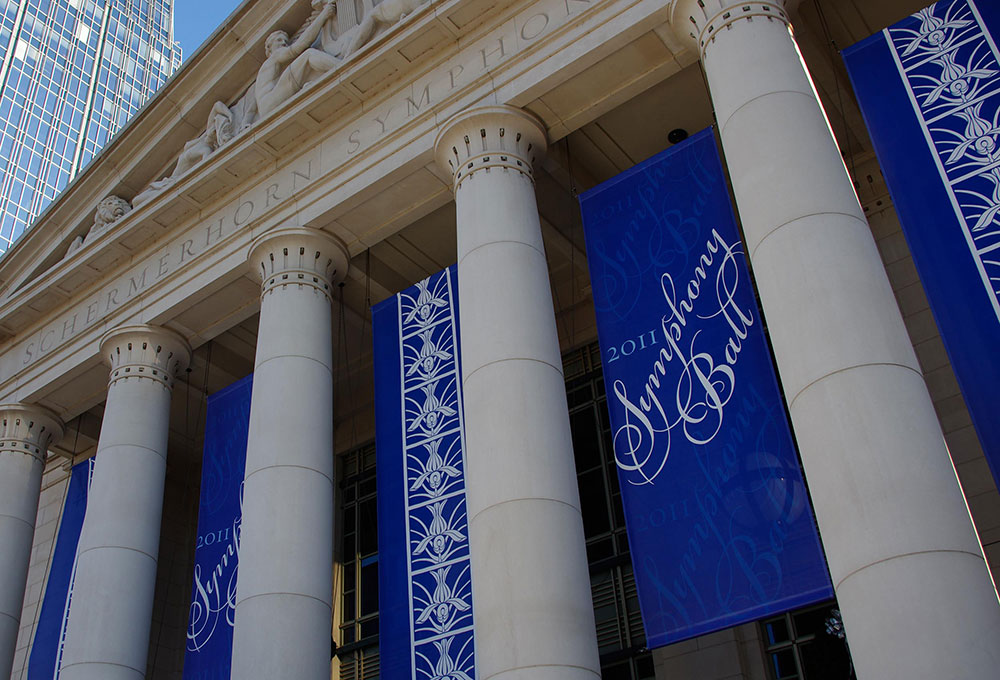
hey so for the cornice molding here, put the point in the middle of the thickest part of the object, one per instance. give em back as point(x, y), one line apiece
point(93, 288)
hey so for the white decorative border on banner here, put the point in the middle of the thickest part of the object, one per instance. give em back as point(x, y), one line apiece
point(951, 68)
point(440, 580)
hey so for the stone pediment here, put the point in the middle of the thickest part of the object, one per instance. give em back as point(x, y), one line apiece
point(223, 69)
point(352, 154)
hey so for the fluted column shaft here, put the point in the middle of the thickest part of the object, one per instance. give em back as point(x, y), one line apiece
point(906, 564)
point(530, 580)
point(107, 636)
point(284, 592)
point(25, 435)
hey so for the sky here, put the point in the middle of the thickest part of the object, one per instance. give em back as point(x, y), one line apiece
point(195, 20)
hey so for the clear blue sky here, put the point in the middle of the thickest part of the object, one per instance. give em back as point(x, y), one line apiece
point(195, 20)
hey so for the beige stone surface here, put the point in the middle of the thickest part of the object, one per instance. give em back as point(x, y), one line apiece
point(352, 155)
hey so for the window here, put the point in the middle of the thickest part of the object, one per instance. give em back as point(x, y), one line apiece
point(358, 650)
point(807, 645)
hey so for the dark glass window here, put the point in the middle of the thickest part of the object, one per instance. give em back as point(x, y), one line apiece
point(620, 637)
point(807, 644)
point(358, 647)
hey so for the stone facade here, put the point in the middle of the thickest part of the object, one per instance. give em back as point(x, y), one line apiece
point(312, 160)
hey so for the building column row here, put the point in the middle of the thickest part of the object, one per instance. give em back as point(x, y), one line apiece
point(284, 592)
point(526, 529)
point(903, 554)
point(901, 549)
point(534, 612)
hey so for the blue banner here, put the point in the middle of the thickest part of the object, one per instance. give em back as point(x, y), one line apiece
point(929, 89)
point(50, 634)
point(209, 651)
point(425, 581)
point(718, 518)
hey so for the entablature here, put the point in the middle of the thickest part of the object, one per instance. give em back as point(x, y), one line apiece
point(352, 155)
point(221, 68)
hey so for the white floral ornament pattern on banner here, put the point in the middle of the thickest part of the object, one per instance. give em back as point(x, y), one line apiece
point(950, 66)
point(440, 580)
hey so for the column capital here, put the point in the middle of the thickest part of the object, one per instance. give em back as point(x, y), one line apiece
point(299, 256)
point(28, 429)
point(697, 22)
point(490, 137)
point(145, 352)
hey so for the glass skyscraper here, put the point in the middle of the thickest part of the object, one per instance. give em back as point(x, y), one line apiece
point(72, 72)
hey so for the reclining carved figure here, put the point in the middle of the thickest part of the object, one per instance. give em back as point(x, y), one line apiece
point(218, 131)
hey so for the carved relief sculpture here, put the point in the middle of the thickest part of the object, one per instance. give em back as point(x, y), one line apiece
point(218, 131)
point(336, 45)
point(385, 14)
point(290, 67)
point(109, 210)
point(75, 245)
point(329, 42)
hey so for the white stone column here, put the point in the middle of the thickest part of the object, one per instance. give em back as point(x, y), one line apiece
point(25, 435)
point(284, 592)
point(906, 564)
point(530, 579)
point(107, 636)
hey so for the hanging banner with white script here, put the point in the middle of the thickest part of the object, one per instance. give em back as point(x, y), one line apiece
point(425, 580)
point(929, 89)
point(45, 661)
point(209, 651)
point(719, 523)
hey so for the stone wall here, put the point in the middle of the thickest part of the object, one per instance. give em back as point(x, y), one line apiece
point(731, 654)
